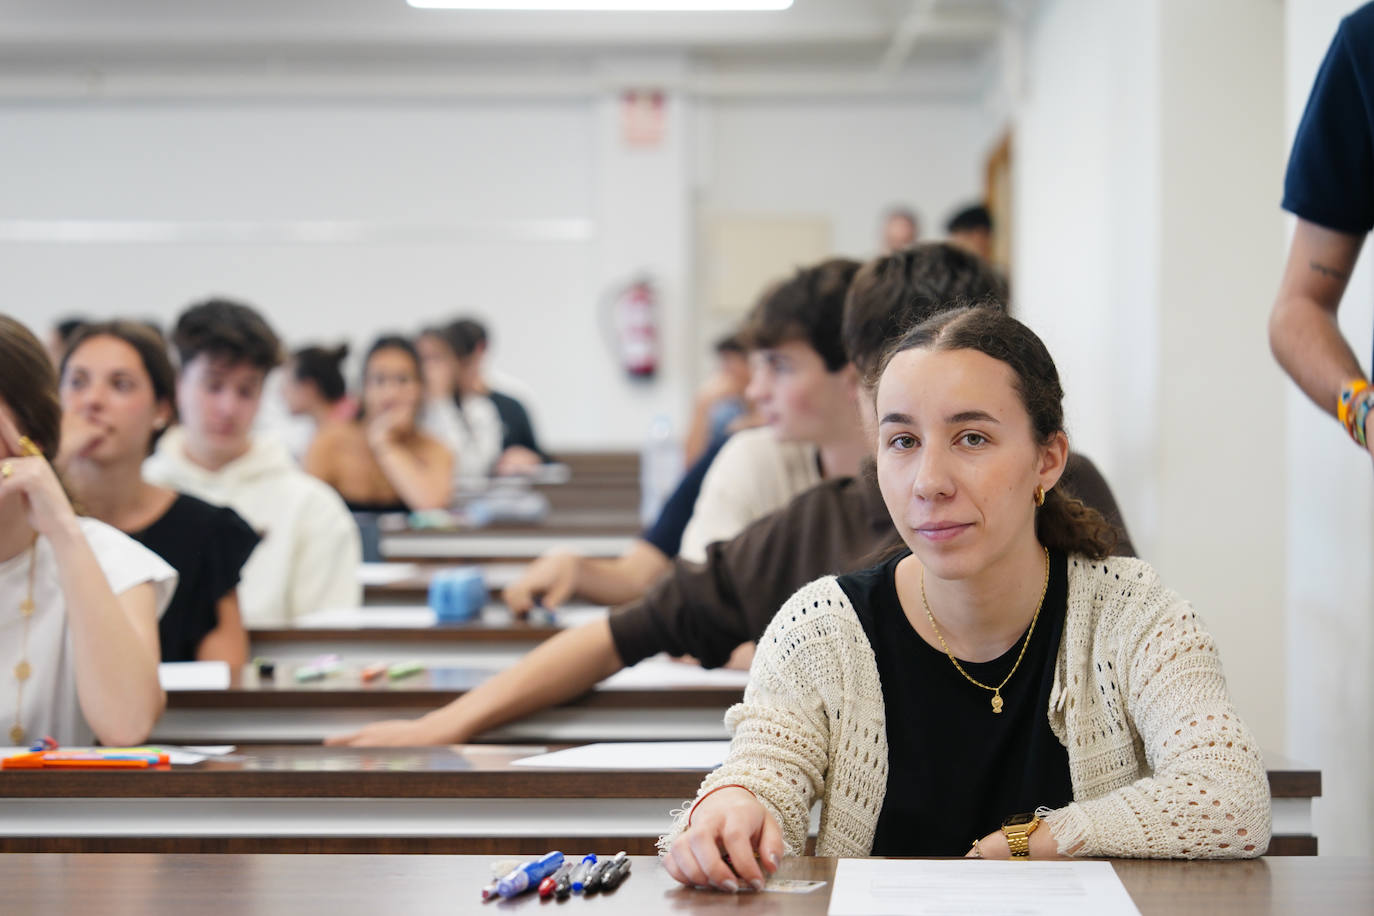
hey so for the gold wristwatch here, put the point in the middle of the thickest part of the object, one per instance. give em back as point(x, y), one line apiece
point(1017, 829)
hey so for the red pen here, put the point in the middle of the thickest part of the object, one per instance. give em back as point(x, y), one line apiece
point(550, 884)
point(372, 672)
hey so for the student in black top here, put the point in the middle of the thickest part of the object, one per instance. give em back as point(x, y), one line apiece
point(519, 448)
point(118, 395)
point(1330, 189)
point(977, 790)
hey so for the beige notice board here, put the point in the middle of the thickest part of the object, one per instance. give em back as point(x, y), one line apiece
point(746, 253)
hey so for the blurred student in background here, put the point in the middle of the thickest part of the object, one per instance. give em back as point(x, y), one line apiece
point(971, 230)
point(118, 397)
point(382, 461)
point(78, 643)
point(806, 392)
point(314, 385)
point(720, 407)
point(310, 549)
point(520, 450)
point(472, 431)
point(901, 229)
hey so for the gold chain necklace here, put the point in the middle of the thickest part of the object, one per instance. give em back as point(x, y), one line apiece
point(22, 670)
point(996, 691)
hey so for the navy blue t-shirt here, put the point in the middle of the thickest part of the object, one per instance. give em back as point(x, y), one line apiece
point(1330, 178)
point(666, 531)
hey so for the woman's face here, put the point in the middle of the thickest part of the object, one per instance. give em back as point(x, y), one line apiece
point(441, 366)
point(957, 459)
point(106, 385)
point(798, 396)
point(391, 382)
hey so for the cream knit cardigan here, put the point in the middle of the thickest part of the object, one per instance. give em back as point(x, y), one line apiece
point(1160, 763)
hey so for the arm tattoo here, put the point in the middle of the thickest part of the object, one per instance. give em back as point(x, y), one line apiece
point(1329, 272)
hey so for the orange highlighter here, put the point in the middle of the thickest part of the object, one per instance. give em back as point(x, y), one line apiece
point(120, 760)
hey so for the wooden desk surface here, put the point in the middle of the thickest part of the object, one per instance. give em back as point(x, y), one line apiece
point(267, 885)
point(430, 689)
point(467, 798)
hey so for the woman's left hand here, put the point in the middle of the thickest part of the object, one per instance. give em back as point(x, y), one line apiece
point(385, 428)
point(46, 506)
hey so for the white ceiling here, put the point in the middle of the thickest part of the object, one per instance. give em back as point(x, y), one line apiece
point(930, 47)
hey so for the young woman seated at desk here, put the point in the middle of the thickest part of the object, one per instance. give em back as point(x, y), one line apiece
point(1001, 663)
point(79, 601)
point(118, 396)
point(382, 461)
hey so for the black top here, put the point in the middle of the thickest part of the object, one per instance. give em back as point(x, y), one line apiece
point(956, 769)
point(207, 546)
point(666, 531)
point(1330, 178)
point(516, 428)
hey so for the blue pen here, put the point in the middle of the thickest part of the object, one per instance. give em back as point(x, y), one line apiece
point(529, 875)
point(580, 873)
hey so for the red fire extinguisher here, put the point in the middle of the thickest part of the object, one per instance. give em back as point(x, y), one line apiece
point(636, 328)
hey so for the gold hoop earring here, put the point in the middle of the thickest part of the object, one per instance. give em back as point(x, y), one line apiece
point(1039, 496)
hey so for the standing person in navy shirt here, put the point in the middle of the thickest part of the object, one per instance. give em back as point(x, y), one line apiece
point(1330, 188)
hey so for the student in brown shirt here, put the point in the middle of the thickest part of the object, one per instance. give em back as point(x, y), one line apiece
point(708, 610)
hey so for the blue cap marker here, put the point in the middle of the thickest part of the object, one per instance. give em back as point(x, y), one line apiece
point(529, 875)
point(581, 872)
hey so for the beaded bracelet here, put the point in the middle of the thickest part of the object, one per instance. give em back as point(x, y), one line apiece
point(728, 785)
point(1353, 407)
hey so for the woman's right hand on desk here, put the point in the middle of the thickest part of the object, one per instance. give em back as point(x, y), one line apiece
point(550, 581)
point(393, 733)
point(733, 842)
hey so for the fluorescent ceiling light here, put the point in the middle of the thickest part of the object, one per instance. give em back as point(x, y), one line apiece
point(617, 6)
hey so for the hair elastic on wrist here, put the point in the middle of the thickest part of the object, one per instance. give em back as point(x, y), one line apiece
point(1359, 417)
point(728, 785)
point(1354, 400)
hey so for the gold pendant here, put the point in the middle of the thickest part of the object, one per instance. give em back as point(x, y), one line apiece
point(17, 735)
point(996, 702)
point(21, 671)
point(26, 608)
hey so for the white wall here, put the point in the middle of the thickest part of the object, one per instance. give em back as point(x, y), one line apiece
point(344, 218)
point(1148, 160)
point(1330, 535)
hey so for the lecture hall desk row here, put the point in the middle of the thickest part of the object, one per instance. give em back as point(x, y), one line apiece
point(656, 700)
point(462, 799)
point(268, 885)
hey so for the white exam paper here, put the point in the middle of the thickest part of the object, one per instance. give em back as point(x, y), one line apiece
point(194, 675)
point(635, 755)
point(885, 887)
point(385, 573)
point(662, 671)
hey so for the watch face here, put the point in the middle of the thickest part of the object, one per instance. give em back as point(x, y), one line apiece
point(1018, 819)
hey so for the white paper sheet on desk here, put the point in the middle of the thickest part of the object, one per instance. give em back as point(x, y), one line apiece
point(662, 671)
point(193, 675)
point(635, 755)
point(386, 573)
point(877, 887)
point(400, 617)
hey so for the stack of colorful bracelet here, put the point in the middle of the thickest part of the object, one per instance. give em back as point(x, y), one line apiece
point(1357, 398)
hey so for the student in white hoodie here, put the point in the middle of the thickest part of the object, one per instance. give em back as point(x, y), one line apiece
point(309, 555)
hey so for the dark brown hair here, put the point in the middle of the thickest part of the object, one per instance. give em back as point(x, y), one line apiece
point(1063, 522)
point(808, 306)
point(323, 367)
point(229, 331)
point(896, 292)
point(28, 386)
point(152, 352)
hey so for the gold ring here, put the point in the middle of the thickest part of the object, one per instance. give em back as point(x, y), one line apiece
point(28, 448)
point(6, 470)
